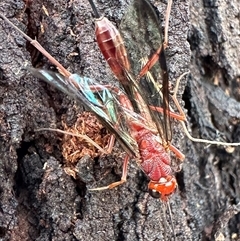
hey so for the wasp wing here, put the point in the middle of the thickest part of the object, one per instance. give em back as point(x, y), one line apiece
point(78, 88)
point(140, 29)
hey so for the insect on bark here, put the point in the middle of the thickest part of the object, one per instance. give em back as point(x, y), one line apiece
point(143, 102)
point(152, 157)
point(146, 94)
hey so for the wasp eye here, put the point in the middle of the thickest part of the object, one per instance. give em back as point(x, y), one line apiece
point(154, 193)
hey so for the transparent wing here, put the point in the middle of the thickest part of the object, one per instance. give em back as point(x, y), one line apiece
point(79, 88)
point(140, 29)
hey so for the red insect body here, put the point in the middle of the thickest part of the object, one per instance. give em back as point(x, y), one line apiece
point(112, 47)
point(154, 159)
point(152, 154)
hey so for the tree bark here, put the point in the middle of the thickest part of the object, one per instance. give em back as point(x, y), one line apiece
point(39, 201)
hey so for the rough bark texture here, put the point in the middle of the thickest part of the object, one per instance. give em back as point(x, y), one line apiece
point(39, 201)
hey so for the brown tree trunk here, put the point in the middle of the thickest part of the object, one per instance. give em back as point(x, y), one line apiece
point(39, 201)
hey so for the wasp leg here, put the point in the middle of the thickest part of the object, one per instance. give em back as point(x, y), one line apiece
point(115, 184)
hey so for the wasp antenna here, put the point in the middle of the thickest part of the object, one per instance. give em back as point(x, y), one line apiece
point(164, 221)
point(166, 207)
point(94, 9)
point(171, 220)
